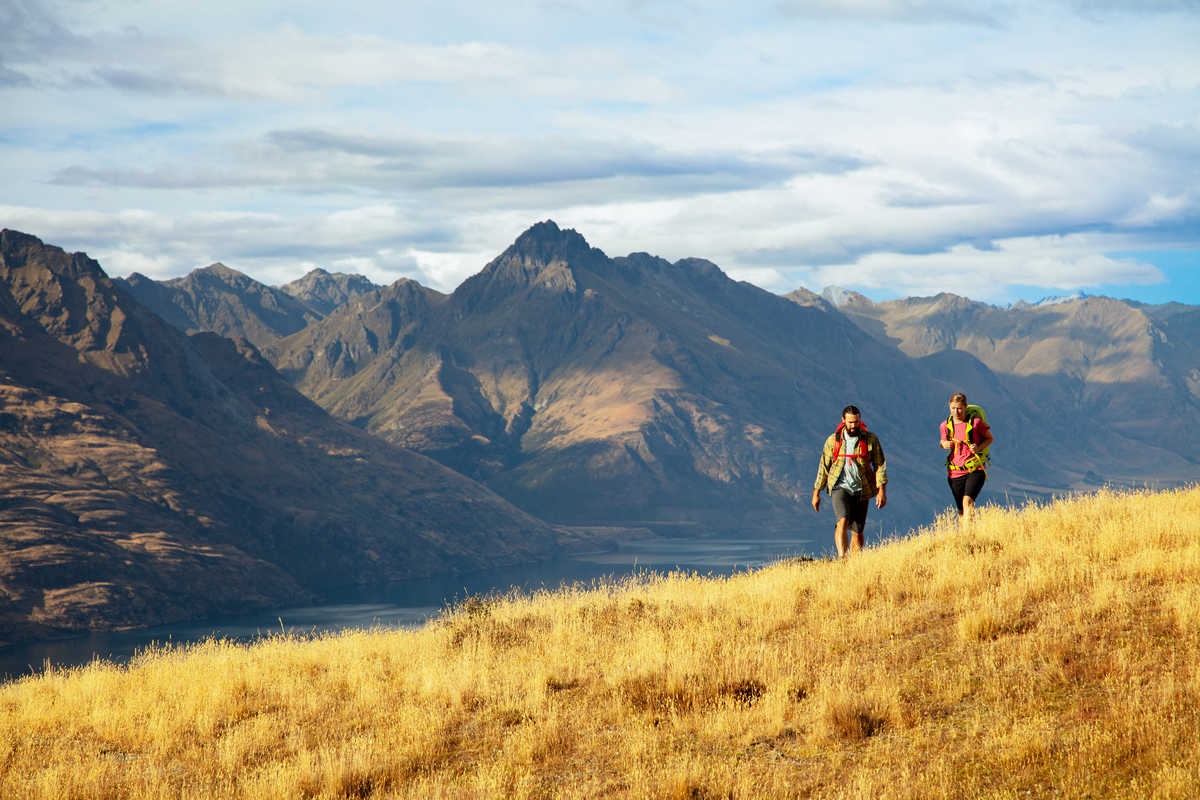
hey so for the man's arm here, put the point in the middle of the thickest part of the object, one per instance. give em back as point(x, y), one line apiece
point(822, 475)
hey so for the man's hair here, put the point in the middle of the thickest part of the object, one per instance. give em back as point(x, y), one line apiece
point(958, 397)
point(851, 410)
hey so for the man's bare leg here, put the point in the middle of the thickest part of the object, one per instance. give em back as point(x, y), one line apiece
point(840, 537)
point(856, 541)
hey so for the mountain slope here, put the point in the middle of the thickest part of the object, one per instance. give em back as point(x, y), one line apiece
point(150, 476)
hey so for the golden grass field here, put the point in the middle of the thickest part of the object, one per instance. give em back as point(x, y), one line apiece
point(1052, 651)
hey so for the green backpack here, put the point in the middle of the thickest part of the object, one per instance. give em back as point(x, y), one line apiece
point(982, 458)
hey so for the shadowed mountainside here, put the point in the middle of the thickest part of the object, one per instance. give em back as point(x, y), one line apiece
point(150, 476)
point(222, 300)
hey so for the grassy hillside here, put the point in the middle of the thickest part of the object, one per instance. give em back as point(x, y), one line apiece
point(1052, 652)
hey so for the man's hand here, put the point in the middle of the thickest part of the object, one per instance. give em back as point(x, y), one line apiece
point(881, 497)
point(947, 444)
point(816, 500)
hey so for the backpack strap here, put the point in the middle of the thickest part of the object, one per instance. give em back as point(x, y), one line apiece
point(863, 449)
point(977, 461)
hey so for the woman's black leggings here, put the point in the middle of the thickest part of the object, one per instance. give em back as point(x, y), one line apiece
point(969, 485)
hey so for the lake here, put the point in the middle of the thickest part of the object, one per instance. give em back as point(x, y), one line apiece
point(411, 603)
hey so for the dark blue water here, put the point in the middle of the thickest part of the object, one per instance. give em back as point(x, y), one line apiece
point(412, 603)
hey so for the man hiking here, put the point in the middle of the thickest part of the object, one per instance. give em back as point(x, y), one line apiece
point(853, 469)
point(967, 436)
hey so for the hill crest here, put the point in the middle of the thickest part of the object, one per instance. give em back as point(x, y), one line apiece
point(1000, 661)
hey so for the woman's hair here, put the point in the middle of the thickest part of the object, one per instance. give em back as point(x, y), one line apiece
point(958, 397)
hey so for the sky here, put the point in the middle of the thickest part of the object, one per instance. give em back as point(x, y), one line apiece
point(999, 150)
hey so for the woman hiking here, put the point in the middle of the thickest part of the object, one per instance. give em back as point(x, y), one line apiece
point(967, 436)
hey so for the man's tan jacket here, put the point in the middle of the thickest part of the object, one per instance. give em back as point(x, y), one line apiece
point(828, 472)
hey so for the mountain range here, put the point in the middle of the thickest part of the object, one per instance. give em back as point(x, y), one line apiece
point(597, 390)
point(151, 476)
point(590, 389)
point(165, 437)
point(222, 300)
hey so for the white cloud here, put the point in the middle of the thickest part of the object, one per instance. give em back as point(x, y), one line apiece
point(1053, 262)
point(1158, 209)
point(446, 270)
point(120, 263)
point(910, 141)
point(919, 11)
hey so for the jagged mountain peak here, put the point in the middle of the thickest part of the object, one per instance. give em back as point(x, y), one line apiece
point(645, 260)
point(951, 300)
point(223, 300)
point(807, 297)
point(940, 302)
point(701, 267)
point(12, 239)
point(403, 293)
point(67, 297)
point(1052, 300)
point(543, 258)
point(319, 275)
point(639, 267)
point(43, 265)
point(323, 291)
point(548, 231)
point(220, 270)
point(546, 243)
point(840, 297)
point(216, 273)
point(411, 285)
point(53, 258)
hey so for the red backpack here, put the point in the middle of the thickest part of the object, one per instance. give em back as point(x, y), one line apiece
point(862, 448)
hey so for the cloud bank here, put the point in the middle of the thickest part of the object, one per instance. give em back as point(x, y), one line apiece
point(997, 149)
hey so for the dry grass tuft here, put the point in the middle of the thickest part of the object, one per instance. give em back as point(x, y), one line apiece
point(853, 715)
point(1053, 651)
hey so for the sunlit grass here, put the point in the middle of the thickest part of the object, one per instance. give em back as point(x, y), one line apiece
point(1052, 651)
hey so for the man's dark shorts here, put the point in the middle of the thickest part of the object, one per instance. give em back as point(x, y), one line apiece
point(969, 485)
point(851, 506)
